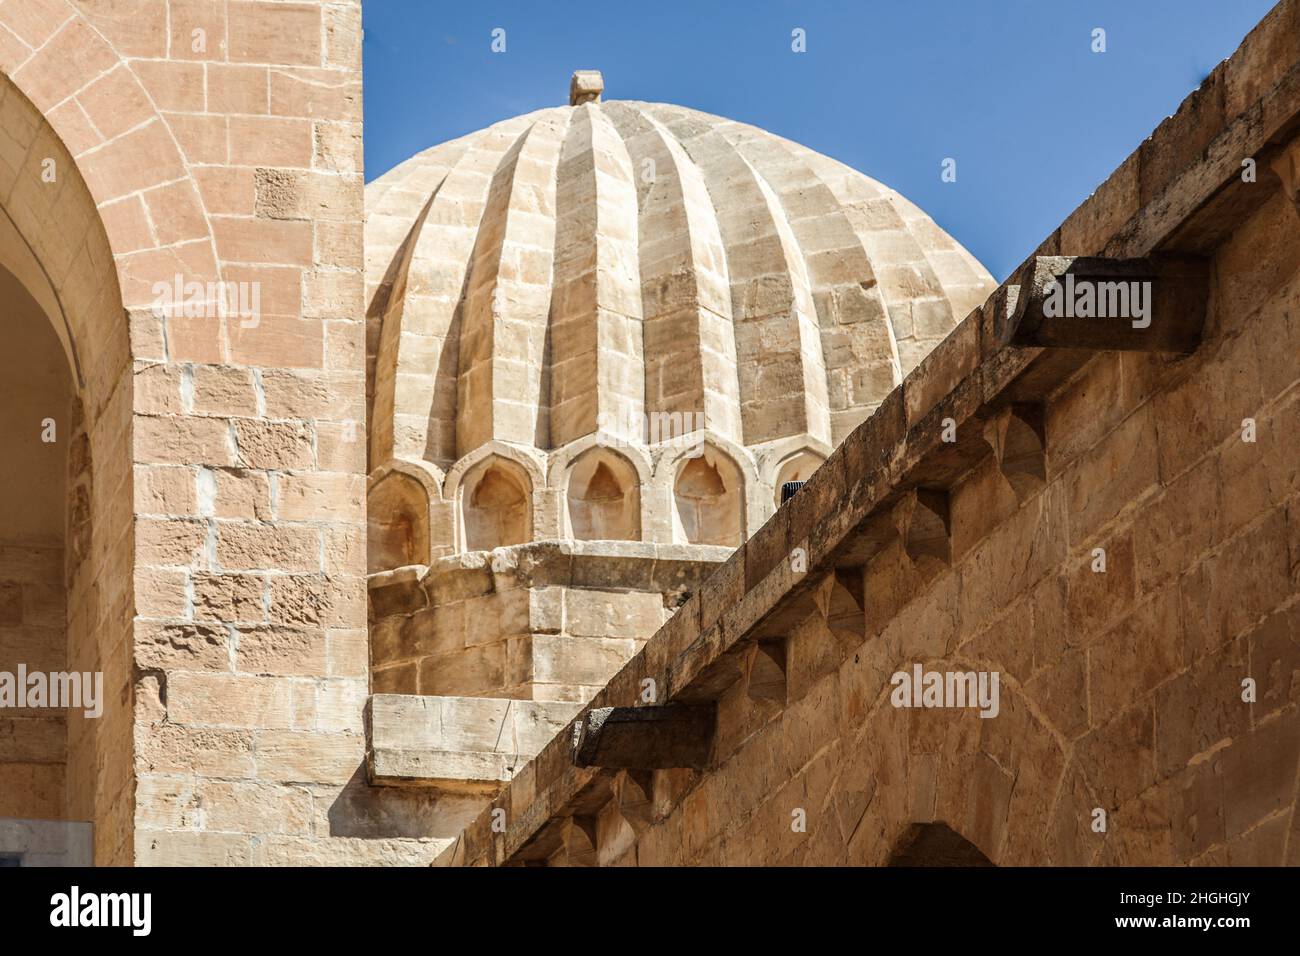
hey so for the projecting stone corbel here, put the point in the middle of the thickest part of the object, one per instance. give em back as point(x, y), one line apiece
point(636, 799)
point(839, 597)
point(1017, 436)
point(580, 844)
point(923, 522)
point(766, 671)
point(1287, 167)
point(645, 738)
point(1155, 304)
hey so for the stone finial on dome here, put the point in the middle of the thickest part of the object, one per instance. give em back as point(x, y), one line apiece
point(585, 87)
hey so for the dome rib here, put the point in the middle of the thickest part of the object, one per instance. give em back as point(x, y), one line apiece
point(507, 301)
point(596, 365)
point(926, 294)
point(857, 334)
point(416, 377)
point(690, 348)
point(778, 344)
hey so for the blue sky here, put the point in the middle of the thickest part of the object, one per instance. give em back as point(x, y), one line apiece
point(1009, 88)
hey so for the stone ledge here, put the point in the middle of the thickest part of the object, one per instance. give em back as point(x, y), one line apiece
point(631, 565)
point(458, 744)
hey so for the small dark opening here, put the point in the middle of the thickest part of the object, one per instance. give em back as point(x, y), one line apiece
point(788, 489)
point(934, 844)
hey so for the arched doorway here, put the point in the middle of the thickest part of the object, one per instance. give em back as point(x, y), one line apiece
point(36, 424)
point(66, 545)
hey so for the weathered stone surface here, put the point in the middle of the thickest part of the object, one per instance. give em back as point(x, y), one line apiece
point(458, 743)
point(586, 387)
point(1155, 304)
point(1124, 582)
point(645, 738)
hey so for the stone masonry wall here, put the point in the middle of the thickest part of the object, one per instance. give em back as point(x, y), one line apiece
point(221, 142)
point(33, 742)
point(1157, 693)
point(1120, 690)
point(249, 442)
point(549, 621)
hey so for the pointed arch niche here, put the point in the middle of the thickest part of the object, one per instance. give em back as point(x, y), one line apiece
point(496, 505)
point(603, 497)
point(798, 467)
point(709, 500)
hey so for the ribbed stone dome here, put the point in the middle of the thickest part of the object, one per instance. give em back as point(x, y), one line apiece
point(586, 270)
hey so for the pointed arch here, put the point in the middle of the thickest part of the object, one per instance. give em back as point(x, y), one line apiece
point(709, 499)
point(603, 497)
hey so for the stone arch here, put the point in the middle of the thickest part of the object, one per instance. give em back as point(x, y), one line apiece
point(532, 468)
point(94, 105)
point(661, 522)
point(1005, 783)
point(652, 513)
point(495, 504)
point(709, 499)
point(796, 467)
point(406, 518)
point(936, 844)
point(602, 497)
point(57, 255)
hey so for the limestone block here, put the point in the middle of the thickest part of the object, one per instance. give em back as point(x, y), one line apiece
point(458, 743)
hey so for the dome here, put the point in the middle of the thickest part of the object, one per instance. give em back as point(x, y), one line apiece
point(620, 273)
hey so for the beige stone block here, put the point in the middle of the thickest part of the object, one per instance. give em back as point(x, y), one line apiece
point(611, 614)
point(280, 651)
point(182, 646)
point(320, 497)
point(229, 598)
point(177, 848)
point(271, 141)
point(274, 445)
point(229, 701)
point(169, 438)
point(170, 542)
point(165, 490)
point(208, 752)
point(188, 16)
point(278, 33)
point(305, 757)
point(262, 240)
point(224, 391)
point(248, 547)
point(255, 807)
point(243, 90)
